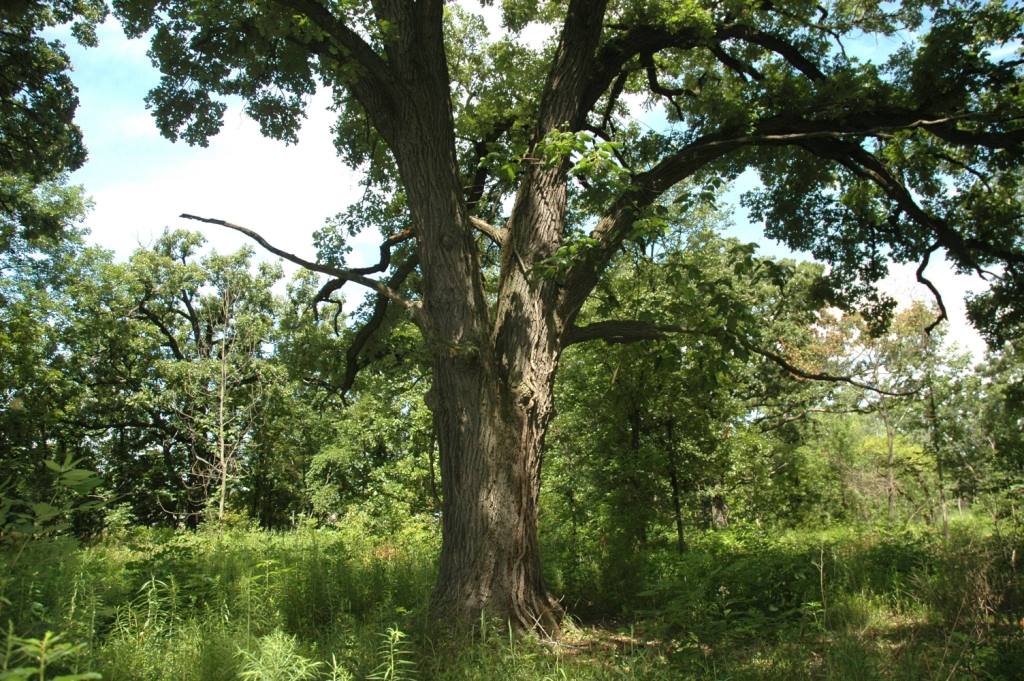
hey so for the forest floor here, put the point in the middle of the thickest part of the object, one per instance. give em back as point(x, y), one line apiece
point(349, 603)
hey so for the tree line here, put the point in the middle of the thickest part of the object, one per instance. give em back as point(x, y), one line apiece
point(194, 382)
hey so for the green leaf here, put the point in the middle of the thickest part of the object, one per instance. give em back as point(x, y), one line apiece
point(44, 511)
point(80, 480)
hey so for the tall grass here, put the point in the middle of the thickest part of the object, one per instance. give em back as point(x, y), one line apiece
point(343, 604)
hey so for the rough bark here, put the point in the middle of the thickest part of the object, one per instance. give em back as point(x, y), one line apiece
point(491, 458)
point(491, 396)
point(718, 512)
point(493, 373)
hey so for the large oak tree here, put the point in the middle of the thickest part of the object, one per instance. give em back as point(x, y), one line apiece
point(506, 178)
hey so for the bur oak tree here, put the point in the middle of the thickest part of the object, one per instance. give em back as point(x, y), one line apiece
point(506, 177)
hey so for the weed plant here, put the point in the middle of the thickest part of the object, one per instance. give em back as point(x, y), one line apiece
point(343, 604)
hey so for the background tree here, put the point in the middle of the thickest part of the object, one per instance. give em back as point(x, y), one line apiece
point(39, 141)
point(176, 369)
point(651, 439)
point(40, 398)
point(1001, 417)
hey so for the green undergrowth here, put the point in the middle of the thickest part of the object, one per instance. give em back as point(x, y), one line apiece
point(339, 603)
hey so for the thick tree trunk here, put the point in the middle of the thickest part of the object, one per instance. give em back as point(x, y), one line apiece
point(491, 459)
point(718, 512)
point(491, 400)
point(493, 365)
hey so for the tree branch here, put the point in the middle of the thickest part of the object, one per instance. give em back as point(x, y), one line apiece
point(369, 329)
point(632, 331)
point(475, 190)
point(741, 67)
point(613, 97)
point(884, 119)
point(340, 273)
point(826, 137)
point(375, 68)
point(931, 287)
point(815, 375)
point(867, 165)
point(193, 320)
point(171, 341)
point(618, 51)
point(622, 331)
point(562, 100)
point(495, 234)
point(385, 252)
point(774, 44)
point(656, 87)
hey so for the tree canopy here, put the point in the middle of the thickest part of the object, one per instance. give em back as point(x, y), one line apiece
point(39, 141)
point(862, 160)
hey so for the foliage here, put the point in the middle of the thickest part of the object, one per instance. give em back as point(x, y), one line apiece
point(341, 603)
point(34, 657)
point(39, 394)
point(276, 659)
point(395, 663)
point(39, 142)
point(71, 487)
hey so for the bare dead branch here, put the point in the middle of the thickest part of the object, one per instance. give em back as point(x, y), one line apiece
point(931, 287)
point(349, 275)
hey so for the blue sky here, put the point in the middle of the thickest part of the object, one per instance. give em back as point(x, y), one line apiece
point(141, 182)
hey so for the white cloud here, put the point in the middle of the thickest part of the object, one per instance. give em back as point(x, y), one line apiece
point(902, 285)
point(282, 192)
point(138, 125)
